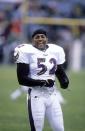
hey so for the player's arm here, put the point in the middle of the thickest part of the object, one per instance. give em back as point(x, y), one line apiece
point(62, 77)
point(24, 79)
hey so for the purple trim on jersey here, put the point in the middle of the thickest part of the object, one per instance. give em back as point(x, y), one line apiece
point(30, 113)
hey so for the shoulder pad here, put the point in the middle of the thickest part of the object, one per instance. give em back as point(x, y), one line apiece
point(56, 48)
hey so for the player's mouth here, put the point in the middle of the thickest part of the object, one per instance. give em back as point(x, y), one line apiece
point(41, 41)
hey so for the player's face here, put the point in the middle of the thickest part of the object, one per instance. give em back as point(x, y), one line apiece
point(39, 41)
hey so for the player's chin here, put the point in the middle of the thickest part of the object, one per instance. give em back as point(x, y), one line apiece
point(41, 46)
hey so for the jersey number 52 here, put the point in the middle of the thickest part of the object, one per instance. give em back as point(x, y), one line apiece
point(41, 64)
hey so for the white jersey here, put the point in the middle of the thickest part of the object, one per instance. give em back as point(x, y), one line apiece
point(42, 63)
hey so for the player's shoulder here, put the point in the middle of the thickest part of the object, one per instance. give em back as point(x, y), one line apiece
point(55, 47)
point(24, 47)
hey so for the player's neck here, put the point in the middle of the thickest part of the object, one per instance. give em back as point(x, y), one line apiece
point(42, 49)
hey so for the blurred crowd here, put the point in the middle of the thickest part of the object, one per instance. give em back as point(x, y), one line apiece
point(13, 31)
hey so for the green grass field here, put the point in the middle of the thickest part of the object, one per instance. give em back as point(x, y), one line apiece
point(13, 114)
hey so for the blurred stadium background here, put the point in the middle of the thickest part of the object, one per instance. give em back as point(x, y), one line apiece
point(64, 20)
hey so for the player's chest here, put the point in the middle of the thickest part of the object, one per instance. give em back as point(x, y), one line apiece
point(46, 58)
point(44, 61)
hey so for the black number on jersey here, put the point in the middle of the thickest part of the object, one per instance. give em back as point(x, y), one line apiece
point(40, 65)
point(40, 62)
point(52, 71)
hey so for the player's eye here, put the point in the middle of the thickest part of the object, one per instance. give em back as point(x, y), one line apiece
point(37, 37)
point(40, 36)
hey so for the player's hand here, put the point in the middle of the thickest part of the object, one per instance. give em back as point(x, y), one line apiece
point(64, 84)
point(49, 83)
point(46, 83)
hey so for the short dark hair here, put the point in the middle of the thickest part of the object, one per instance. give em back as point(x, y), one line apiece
point(39, 31)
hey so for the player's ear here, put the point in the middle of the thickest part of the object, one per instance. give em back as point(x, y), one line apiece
point(47, 40)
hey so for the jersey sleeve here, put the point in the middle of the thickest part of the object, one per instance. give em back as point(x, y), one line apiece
point(20, 56)
point(61, 56)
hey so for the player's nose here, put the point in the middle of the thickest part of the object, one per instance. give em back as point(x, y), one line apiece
point(40, 38)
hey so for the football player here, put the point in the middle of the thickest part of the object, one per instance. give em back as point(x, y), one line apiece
point(38, 64)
